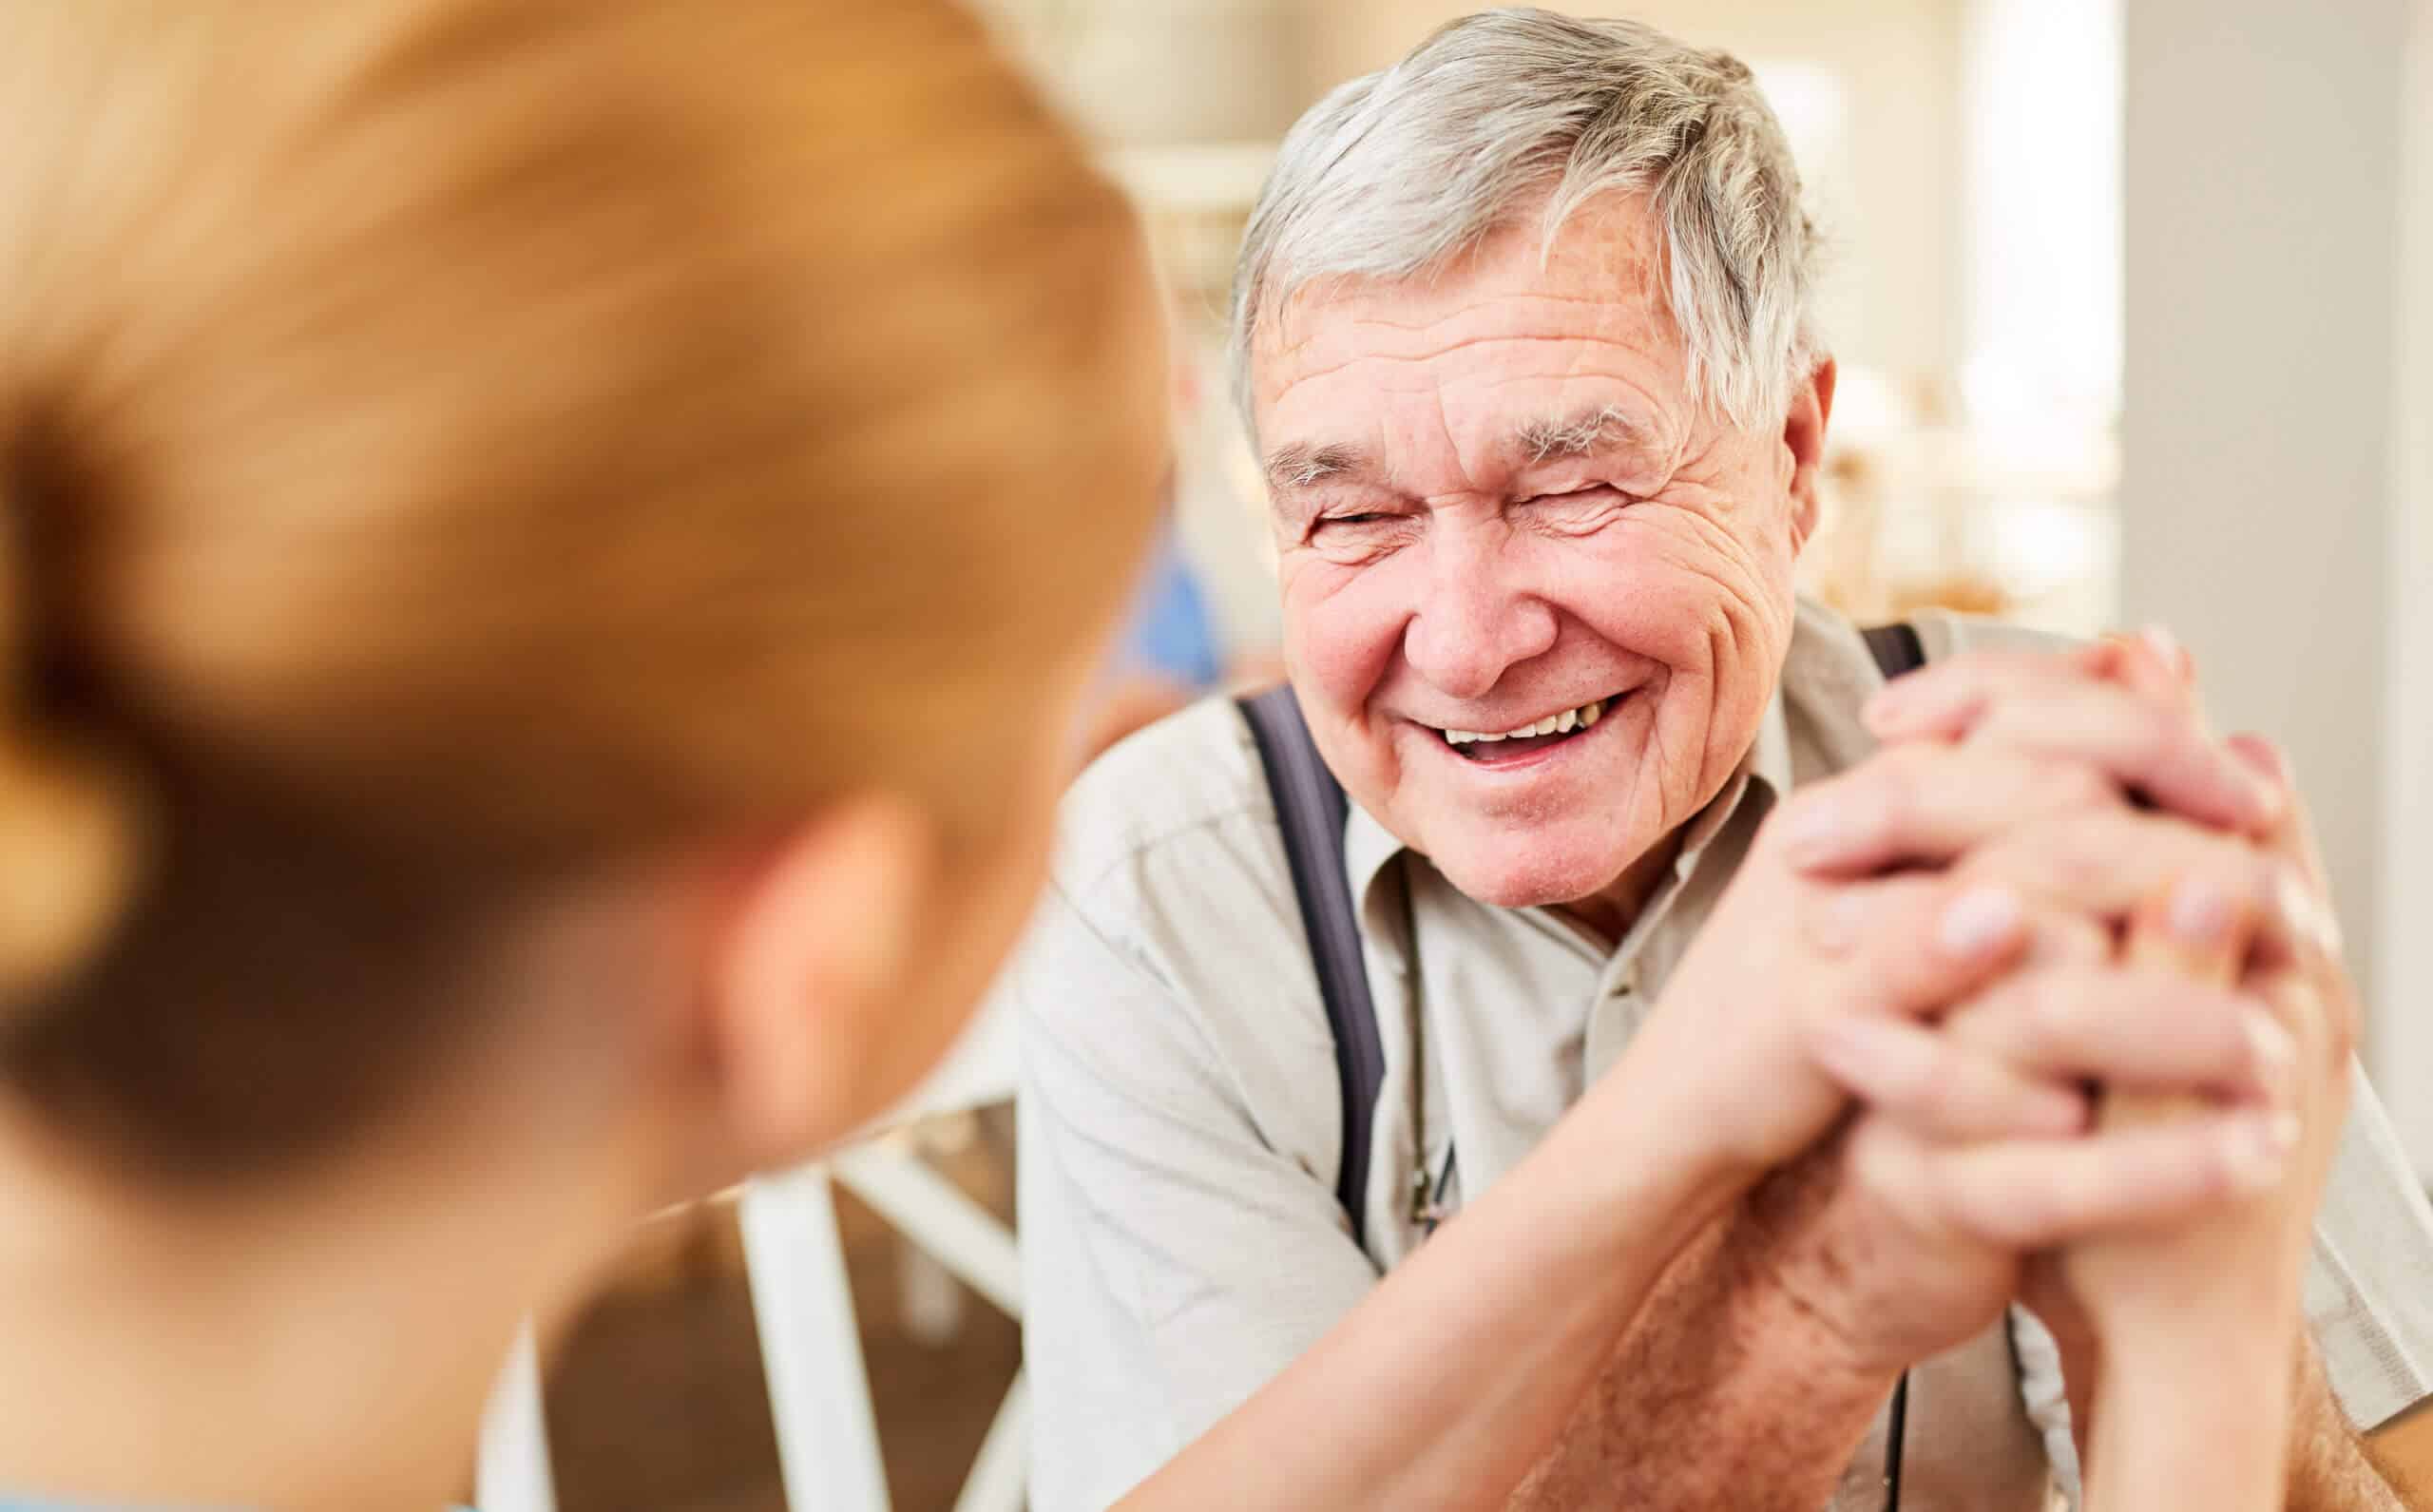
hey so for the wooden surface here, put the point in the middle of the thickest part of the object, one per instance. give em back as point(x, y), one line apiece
point(657, 1402)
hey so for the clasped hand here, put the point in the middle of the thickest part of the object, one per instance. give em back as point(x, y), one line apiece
point(2051, 886)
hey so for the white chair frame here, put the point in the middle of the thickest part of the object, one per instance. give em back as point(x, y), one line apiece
point(819, 1401)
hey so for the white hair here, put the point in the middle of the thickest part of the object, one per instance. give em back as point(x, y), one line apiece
point(1395, 174)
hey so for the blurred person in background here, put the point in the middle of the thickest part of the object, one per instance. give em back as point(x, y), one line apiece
point(547, 582)
point(1525, 337)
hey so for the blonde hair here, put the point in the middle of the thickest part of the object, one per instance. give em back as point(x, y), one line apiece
point(449, 443)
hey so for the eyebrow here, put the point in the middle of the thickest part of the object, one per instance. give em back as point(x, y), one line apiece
point(1299, 465)
point(1582, 433)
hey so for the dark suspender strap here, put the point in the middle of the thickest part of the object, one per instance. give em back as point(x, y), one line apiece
point(1310, 808)
point(1897, 650)
point(1895, 647)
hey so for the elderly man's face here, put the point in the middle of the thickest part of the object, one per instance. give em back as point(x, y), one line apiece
point(1497, 505)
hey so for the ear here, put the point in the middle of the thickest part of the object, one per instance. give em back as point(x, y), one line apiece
point(1811, 406)
point(810, 960)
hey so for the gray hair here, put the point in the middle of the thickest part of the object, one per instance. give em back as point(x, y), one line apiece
point(1395, 174)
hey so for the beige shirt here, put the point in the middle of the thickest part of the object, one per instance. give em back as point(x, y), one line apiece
point(1181, 1240)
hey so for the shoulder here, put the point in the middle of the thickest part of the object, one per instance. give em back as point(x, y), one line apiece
point(1168, 856)
point(1170, 953)
point(1159, 789)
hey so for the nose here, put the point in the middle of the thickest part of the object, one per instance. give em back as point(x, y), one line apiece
point(1476, 619)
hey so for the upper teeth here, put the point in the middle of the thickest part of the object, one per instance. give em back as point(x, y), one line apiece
point(1580, 719)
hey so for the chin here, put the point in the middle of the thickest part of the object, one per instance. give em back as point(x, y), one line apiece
point(1532, 874)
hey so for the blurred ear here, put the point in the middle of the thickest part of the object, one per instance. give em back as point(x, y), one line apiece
point(813, 957)
point(1812, 407)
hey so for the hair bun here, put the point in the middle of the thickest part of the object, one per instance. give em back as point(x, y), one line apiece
point(70, 813)
point(69, 847)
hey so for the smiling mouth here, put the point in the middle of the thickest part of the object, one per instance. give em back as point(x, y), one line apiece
point(1487, 746)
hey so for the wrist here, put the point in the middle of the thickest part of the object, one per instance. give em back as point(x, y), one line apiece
point(1785, 1282)
point(1658, 1150)
point(2182, 1427)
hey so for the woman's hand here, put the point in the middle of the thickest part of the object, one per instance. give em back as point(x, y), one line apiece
point(2195, 1328)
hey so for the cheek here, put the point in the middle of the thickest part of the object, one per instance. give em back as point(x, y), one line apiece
point(1677, 588)
point(1653, 590)
point(1342, 626)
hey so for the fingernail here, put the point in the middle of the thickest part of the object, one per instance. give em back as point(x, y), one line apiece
point(2274, 1046)
point(1981, 920)
point(2259, 1149)
point(2166, 648)
point(2275, 1051)
point(2201, 913)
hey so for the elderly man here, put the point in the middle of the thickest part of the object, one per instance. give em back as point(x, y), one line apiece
point(1526, 341)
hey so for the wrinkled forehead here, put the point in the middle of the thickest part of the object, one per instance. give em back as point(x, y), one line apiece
point(1515, 322)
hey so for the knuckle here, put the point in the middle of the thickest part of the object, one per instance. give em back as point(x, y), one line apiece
point(2070, 787)
point(1941, 1099)
point(2161, 733)
point(2078, 858)
point(2050, 1018)
point(2073, 940)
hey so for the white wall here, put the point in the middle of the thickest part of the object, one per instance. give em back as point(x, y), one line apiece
point(1155, 71)
point(2261, 506)
point(2402, 1045)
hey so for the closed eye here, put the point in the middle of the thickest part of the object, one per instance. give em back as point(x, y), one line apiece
point(1579, 507)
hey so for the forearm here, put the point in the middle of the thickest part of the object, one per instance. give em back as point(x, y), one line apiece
point(2330, 1468)
point(2184, 1420)
point(1448, 1383)
point(1721, 1393)
point(2157, 1439)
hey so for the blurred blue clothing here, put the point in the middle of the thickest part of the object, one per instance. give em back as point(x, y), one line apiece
point(1170, 631)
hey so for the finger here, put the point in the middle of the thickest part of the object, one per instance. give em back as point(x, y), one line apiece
point(2109, 864)
point(2294, 836)
point(2033, 1194)
point(2191, 928)
point(2157, 748)
point(1924, 805)
point(1939, 1088)
point(2050, 705)
point(1915, 944)
point(2198, 935)
point(2150, 661)
point(2060, 939)
point(2134, 1029)
point(2326, 1012)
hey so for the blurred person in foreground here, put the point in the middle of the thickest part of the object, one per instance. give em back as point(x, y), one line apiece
point(1525, 337)
point(548, 580)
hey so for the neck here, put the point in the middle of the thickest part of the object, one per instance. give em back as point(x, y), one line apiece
point(326, 1344)
point(1608, 913)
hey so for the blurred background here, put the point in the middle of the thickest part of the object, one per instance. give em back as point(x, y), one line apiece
point(2134, 306)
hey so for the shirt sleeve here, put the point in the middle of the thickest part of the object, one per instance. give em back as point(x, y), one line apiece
point(1174, 1259)
point(2368, 1291)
